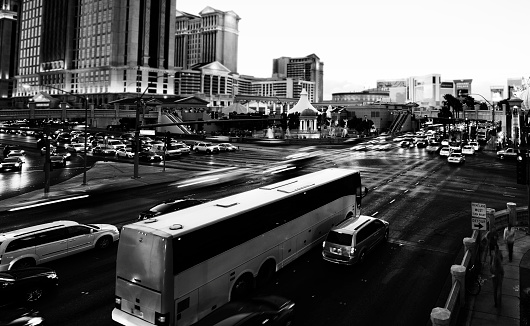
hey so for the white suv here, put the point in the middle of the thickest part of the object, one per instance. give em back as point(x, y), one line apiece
point(205, 147)
point(38, 244)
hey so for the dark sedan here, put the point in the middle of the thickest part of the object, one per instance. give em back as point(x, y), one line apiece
point(26, 285)
point(169, 206)
point(149, 157)
point(58, 161)
point(269, 310)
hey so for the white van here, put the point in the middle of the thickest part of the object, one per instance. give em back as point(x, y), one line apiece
point(38, 244)
point(171, 151)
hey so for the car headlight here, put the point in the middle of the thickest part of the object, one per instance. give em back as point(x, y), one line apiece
point(52, 275)
point(17, 164)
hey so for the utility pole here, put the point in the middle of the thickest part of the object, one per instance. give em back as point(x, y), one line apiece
point(47, 160)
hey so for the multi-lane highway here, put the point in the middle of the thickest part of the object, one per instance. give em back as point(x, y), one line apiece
point(426, 201)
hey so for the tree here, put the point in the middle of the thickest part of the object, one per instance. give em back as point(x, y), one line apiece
point(453, 104)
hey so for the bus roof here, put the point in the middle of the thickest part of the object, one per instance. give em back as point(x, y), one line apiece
point(186, 220)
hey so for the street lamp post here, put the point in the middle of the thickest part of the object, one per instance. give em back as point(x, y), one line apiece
point(137, 129)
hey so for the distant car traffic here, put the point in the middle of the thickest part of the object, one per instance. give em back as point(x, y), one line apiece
point(169, 206)
point(58, 161)
point(475, 145)
point(456, 158)
point(468, 150)
point(76, 147)
point(227, 147)
point(26, 285)
point(445, 151)
point(184, 149)
point(13, 163)
point(508, 153)
point(269, 310)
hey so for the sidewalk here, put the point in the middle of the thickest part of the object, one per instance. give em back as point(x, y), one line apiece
point(480, 310)
point(102, 177)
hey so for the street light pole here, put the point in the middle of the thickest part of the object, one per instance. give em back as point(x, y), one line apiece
point(85, 104)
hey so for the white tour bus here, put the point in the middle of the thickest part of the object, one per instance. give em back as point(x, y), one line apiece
point(177, 268)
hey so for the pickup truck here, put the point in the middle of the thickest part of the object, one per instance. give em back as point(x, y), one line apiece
point(507, 153)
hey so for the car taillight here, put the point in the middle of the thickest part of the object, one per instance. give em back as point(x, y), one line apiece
point(352, 251)
point(161, 319)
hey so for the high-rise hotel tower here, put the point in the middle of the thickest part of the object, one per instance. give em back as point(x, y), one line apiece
point(8, 45)
point(100, 48)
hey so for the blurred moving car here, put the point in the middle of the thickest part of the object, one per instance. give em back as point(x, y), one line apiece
point(456, 158)
point(227, 147)
point(26, 285)
point(20, 317)
point(11, 163)
point(433, 147)
point(168, 206)
point(149, 157)
point(269, 310)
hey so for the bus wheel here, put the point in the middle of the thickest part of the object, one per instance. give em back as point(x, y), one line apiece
point(266, 273)
point(243, 287)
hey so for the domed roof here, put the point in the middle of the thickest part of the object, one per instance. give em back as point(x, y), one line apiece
point(308, 112)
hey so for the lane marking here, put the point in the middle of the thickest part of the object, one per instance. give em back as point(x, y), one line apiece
point(47, 203)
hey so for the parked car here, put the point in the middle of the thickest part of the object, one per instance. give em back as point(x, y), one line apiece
point(41, 243)
point(269, 310)
point(456, 158)
point(11, 163)
point(102, 150)
point(149, 157)
point(227, 147)
point(125, 152)
point(468, 150)
point(169, 206)
point(184, 149)
point(204, 147)
point(26, 285)
point(76, 148)
point(510, 153)
point(58, 161)
point(350, 241)
point(406, 144)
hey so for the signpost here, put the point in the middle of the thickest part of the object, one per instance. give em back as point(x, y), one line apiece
point(478, 216)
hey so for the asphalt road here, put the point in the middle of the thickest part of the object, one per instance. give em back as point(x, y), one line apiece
point(426, 201)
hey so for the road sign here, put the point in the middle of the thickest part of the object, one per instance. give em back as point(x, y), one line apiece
point(478, 210)
point(478, 223)
point(147, 132)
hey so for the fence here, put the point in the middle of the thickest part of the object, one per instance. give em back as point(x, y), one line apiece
point(448, 315)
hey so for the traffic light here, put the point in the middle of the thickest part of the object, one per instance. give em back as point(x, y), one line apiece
point(522, 157)
point(168, 138)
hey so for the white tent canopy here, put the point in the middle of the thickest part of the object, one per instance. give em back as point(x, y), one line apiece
point(303, 104)
point(238, 108)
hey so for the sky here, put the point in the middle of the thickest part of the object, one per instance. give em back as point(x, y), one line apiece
point(361, 42)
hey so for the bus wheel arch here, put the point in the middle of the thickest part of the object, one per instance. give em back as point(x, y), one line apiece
point(266, 272)
point(242, 287)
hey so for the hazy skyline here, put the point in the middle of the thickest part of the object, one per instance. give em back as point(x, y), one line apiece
point(361, 42)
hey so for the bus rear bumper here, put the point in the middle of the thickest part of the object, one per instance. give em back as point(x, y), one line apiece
point(124, 318)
